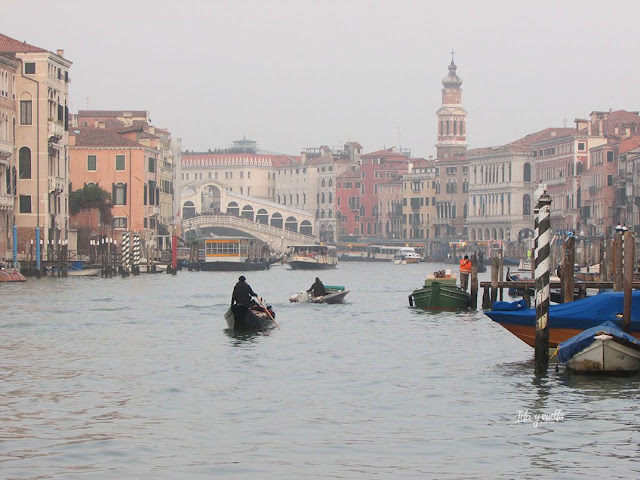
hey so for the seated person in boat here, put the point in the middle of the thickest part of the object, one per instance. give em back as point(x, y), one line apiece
point(317, 289)
point(242, 293)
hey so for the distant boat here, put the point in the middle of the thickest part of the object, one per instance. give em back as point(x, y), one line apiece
point(440, 292)
point(334, 294)
point(569, 319)
point(312, 257)
point(604, 348)
point(406, 255)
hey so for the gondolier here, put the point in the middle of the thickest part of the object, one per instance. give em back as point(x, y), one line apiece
point(465, 271)
point(242, 293)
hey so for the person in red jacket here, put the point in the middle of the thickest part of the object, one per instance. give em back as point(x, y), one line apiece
point(465, 271)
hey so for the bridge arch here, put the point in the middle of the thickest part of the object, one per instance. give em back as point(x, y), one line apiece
point(233, 209)
point(306, 228)
point(247, 212)
point(291, 224)
point(188, 210)
point(262, 216)
point(276, 220)
point(211, 199)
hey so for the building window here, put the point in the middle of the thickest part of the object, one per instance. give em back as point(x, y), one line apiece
point(29, 68)
point(120, 162)
point(25, 203)
point(610, 156)
point(526, 205)
point(527, 173)
point(152, 165)
point(92, 163)
point(25, 112)
point(582, 146)
point(24, 160)
point(119, 222)
point(120, 194)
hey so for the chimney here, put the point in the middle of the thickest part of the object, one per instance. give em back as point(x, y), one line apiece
point(60, 52)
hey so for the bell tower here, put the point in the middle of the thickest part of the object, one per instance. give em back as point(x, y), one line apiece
point(452, 118)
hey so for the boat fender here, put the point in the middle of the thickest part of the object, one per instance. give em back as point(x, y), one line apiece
point(411, 300)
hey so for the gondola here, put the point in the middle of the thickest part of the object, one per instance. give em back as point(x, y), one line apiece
point(243, 318)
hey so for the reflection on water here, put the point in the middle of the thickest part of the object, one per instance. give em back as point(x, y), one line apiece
point(137, 378)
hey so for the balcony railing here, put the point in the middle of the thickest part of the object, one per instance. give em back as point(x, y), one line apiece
point(55, 130)
point(56, 184)
point(6, 201)
point(6, 150)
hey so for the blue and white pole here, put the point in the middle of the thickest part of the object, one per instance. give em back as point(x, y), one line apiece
point(542, 263)
point(125, 252)
point(136, 254)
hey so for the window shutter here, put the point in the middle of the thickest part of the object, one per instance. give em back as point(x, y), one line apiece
point(125, 194)
point(113, 193)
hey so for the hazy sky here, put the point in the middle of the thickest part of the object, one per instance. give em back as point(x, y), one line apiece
point(292, 74)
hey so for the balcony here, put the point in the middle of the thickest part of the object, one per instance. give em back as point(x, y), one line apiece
point(6, 150)
point(55, 131)
point(6, 201)
point(56, 184)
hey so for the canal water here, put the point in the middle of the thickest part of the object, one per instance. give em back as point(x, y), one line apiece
point(137, 378)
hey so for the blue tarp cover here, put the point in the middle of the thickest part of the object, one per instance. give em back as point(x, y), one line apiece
point(568, 348)
point(517, 305)
point(580, 314)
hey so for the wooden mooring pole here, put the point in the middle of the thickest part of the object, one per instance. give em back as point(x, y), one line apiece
point(543, 240)
point(629, 262)
point(568, 260)
point(473, 300)
point(616, 260)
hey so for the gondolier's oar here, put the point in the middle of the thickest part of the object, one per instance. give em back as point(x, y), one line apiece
point(268, 313)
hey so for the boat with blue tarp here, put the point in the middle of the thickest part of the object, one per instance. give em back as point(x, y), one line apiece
point(569, 319)
point(605, 348)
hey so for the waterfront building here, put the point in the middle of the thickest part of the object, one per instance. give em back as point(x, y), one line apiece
point(626, 208)
point(390, 206)
point(40, 137)
point(311, 186)
point(501, 184)
point(562, 160)
point(114, 160)
point(241, 168)
point(9, 68)
point(357, 192)
point(419, 206)
point(136, 125)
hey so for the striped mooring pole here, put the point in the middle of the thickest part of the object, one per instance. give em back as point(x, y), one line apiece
point(542, 259)
point(136, 254)
point(125, 252)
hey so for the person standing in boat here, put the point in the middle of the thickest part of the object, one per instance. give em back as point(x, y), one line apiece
point(317, 289)
point(465, 271)
point(242, 293)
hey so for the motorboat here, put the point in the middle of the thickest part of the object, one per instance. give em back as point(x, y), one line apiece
point(334, 294)
point(440, 292)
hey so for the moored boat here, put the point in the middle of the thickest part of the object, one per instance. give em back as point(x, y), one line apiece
point(440, 292)
point(334, 294)
point(233, 254)
point(312, 257)
point(243, 318)
point(569, 319)
point(604, 348)
point(11, 275)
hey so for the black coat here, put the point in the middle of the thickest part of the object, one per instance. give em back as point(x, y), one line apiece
point(318, 289)
point(242, 294)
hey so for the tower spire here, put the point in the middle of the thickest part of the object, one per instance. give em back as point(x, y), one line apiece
point(452, 118)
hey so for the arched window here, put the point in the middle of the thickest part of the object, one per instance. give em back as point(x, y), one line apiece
point(330, 197)
point(331, 182)
point(120, 193)
point(322, 201)
point(526, 176)
point(526, 205)
point(324, 184)
point(24, 162)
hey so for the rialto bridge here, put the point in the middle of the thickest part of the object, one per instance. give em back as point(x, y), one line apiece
point(211, 207)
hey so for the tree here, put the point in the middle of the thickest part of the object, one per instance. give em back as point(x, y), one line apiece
point(91, 196)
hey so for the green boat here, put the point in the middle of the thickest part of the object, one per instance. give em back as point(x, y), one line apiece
point(440, 292)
